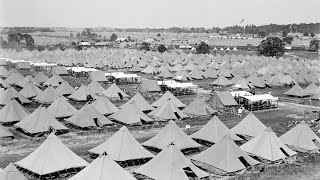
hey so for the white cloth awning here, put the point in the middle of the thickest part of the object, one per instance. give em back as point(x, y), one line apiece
point(240, 93)
point(261, 97)
point(174, 84)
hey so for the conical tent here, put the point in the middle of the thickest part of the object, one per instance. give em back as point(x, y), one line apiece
point(168, 96)
point(13, 112)
point(103, 168)
point(170, 163)
point(250, 126)
point(171, 133)
point(301, 138)
point(30, 91)
point(25, 81)
point(88, 116)
point(224, 158)
point(222, 81)
point(4, 132)
point(61, 108)
point(148, 86)
point(11, 93)
point(50, 157)
point(140, 101)
point(82, 94)
point(167, 111)
point(3, 72)
point(115, 92)
point(65, 88)
point(296, 90)
point(95, 87)
point(122, 146)
point(213, 132)
point(130, 114)
point(13, 78)
point(54, 81)
point(47, 96)
point(40, 121)
point(40, 78)
point(104, 106)
point(267, 146)
point(11, 173)
point(198, 107)
point(312, 89)
point(241, 84)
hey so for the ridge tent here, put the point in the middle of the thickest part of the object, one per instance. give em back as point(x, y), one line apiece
point(221, 99)
point(98, 76)
point(59, 70)
point(148, 86)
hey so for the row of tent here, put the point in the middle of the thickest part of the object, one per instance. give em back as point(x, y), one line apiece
point(101, 111)
point(224, 157)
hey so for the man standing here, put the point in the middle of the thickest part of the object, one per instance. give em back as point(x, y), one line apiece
point(239, 112)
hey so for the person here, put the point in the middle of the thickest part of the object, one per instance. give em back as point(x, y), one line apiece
point(239, 112)
point(188, 129)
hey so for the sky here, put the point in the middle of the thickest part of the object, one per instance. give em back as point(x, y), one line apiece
point(155, 13)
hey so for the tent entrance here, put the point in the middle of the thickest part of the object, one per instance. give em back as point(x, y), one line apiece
point(97, 122)
point(244, 161)
point(189, 172)
point(120, 96)
point(177, 115)
point(284, 152)
point(317, 143)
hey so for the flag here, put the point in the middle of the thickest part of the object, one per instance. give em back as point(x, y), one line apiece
point(242, 21)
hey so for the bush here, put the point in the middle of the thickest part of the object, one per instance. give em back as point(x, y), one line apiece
point(113, 37)
point(312, 35)
point(145, 46)
point(203, 48)
point(158, 34)
point(162, 48)
point(288, 40)
point(272, 46)
point(305, 34)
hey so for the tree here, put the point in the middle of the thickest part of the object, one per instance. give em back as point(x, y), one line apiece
point(78, 35)
point(284, 33)
point(158, 34)
point(272, 46)
point(312, 34)
point(288, 40)
point(145, 46)
point(162, 48)
point(262, 34)
point(113, 37)
point(203, 48)
point(305, 34)
point(314, 45)
point(71, 35)
point(129, 38)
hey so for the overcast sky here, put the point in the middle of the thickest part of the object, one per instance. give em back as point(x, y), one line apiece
point(155, 13)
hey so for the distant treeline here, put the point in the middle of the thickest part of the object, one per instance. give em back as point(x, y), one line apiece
point(12, 30)
point(274, 28)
